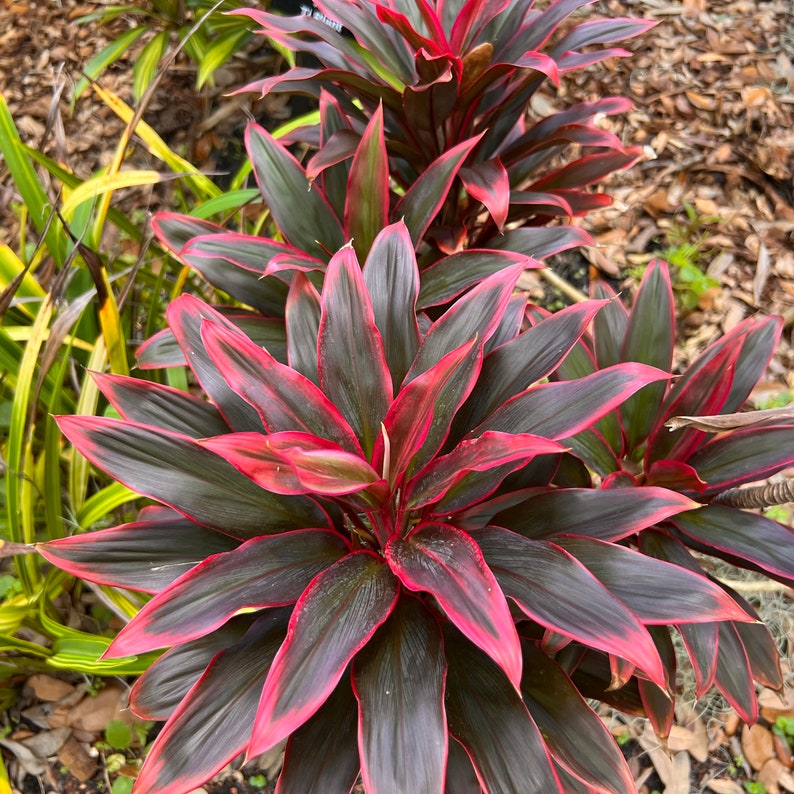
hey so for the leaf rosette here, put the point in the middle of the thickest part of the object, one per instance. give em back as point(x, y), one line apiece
point(340, 560)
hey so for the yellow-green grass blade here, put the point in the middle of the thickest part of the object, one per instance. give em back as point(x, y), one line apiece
point(103, 503)
point(146, 64)
point(27, 289)
point(79, 468)
point(218, 52)
point(29, 186)
point(105, 57)
point(97, 187)
point(231, 201)
point(17, 450)
point(201, 184)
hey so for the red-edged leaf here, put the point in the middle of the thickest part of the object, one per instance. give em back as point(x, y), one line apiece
point(588, 169)
point(451, 480)
point(144, 555)
point(302, 215)
point(399, 682)
point(548, 692)
point(602, 31)
point(649, 339)
point(236, 263)
point(558, 410)
point(367, 205)
point(303, 325)
point(606, 514)
point(450, 276)
point(700, 639)
point(557, 591)
point(470, 20)
point(441, 560)
point(296, 463)
point(270, 571)
point(177, 471)
point(185, 317)
point(474, 316)
point(337, 148)
point(461, 777)
point(637, 580)
point(762, 651)
point(742, 536)
point(322, 755)
point(743, 456)
point(158, 692)
point(284, 399)
point(489, 183)
point(352, 363)
point(427, 403)
point(674, 475)
point(200, 738)
point(392, 279)
point(175, 230)
point(152, 404)
point(659, 706)
point(422, 201)
point(333, 619)
point(488, 717)
point(734, 677)
point(702, 394)
point(528, 358)
point(540, 243)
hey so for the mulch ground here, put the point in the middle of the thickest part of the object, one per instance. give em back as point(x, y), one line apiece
point(713, 90)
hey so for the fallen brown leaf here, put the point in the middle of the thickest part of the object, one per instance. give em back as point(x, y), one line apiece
point(758, 745)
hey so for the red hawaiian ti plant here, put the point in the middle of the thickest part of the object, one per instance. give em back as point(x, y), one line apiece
point(342, 555)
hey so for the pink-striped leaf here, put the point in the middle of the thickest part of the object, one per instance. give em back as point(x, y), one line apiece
point(470, 20)
point(528, 358)
point(743, 456)
point(424, 402)
point(351, 359)
point(440, 559)
point(236, 263)
point(602, 31)
point(185, 317)
point(734, 677)
point(269, 571)
point(474, 316)
point(144, 555)
point(399, 682)
point(392, 279)
point(649, 339)
point(762, 651)
point(674, 475)
point(450, 276)
point(303, 216)
point(539, 242)
point(367, 205)
point(637, 580)
point(200, 738)
point(156, 694)
point(742, 535)
point(588, 169)
point(303, 326)
point(297, 463)
point(489, 183)
point(461, 776)
point(153, 404)
point(177, 471)
point(333, 619)
point(547, 691)
point(700, 639)
point(175, 230)
point(557, 591)
point(284, 399)
point(605, 514)
point(489, 718)
point(558, 410)
point(473, 470)
point(422, 201)
point(322, 755)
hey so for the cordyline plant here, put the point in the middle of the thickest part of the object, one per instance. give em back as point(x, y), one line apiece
point(454, 76)
point(326, 559)
point(310, 219)
point(653, 440)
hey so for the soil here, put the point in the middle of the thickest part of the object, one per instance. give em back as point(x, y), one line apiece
point(713, 89)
